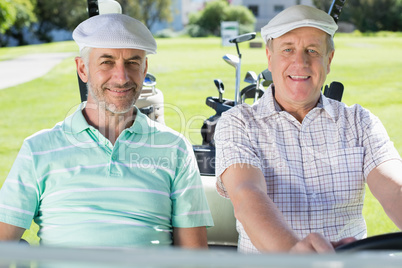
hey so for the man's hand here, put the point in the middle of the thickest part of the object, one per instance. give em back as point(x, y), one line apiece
point(317, 243)
point(313, 243)
point(343, 242)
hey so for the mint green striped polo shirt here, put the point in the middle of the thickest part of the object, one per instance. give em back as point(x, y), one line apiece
point(83, 191)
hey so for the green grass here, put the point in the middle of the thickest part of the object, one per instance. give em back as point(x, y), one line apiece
point(369, 67)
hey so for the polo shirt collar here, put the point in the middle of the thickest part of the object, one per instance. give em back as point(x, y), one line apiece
point(142, 124)
point(76, 123)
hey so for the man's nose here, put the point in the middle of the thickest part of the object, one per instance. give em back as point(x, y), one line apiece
point(301, 58)
point(121, 73)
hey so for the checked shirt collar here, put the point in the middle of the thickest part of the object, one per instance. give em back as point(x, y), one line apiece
point(268, 106)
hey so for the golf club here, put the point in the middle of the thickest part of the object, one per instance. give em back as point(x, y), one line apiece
point(237, 40)
point(221, 89)
point(251, 77)
point(231, 60)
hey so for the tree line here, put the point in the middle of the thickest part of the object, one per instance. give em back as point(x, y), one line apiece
point(208, 21)
point(369, 15)
point(39, 17)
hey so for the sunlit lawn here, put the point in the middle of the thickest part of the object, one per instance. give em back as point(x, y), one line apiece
point(369, 68)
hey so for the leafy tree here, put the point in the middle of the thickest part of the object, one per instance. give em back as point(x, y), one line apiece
point(210, 18)
point(8, 15)
point(59, 14)
point(369, 15)
point(243, 15)
point(208, 21)
point(18, 14)
point(376, 15)
point(148, 11)
point(397, 10)
point(67, 14)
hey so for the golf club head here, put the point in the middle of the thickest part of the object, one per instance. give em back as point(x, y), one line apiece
point(243, 38)
point(150, 80)
point(267, 76)
point(232, 60)
point(251, 77)
point(219, 85)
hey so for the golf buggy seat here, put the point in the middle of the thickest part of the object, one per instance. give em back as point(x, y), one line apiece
point(223, 234)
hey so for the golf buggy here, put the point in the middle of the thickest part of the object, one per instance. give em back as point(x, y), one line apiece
point(150, 102)
point(223, 235)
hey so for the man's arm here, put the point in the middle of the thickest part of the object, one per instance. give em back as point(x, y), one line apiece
point(385, 183)
point(195, 237)
point(10, 232)
point(261, 219)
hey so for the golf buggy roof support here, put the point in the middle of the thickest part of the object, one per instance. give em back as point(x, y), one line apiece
point(336, 9)
point(93, 10)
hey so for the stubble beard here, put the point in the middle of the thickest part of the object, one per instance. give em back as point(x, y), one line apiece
point(100, 99)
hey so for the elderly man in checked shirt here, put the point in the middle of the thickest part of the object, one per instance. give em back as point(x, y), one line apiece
point(295, 164)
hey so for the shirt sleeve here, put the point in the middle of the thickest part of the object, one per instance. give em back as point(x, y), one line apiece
point(378, 146)
point(190, 206)
point(233, 145)
point(19, 196)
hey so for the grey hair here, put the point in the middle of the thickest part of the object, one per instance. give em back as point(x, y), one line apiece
point(330, 44)
point(84, 54)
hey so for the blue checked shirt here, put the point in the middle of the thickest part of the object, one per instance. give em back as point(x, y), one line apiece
point(315, 170)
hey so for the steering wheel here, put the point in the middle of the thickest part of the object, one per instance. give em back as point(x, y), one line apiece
point(391, 241)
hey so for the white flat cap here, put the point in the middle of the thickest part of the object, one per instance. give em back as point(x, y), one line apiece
point(298, 16)
point(114, 31)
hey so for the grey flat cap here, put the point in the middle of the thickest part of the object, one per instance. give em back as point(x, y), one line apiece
point(296, 17)
point(114, 31)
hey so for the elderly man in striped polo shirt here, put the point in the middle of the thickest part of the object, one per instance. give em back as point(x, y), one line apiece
point(295, 164)
point(107, 176)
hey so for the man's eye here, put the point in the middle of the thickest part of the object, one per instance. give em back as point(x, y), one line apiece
point(106, 62)
point(312, 51)
point(287, 50)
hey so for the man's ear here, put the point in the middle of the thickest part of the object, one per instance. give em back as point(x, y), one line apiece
point(146, 66)
point(330, 57)
point(268, 53)
point(81, 70)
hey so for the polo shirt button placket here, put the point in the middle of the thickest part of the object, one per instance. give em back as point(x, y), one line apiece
point(113, 170)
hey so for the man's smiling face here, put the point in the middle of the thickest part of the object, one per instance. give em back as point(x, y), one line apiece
point(299, 62)
point(115, 78)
